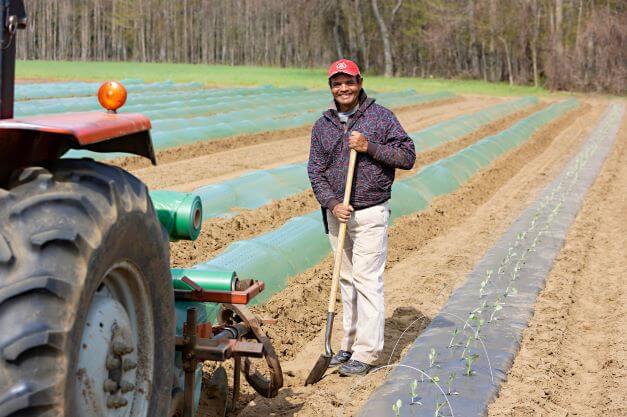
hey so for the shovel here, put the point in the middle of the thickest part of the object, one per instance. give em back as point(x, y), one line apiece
point(324, 360)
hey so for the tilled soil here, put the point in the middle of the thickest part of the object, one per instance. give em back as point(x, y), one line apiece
point(193, 150)
point(573, 358)
point(219, 233)
point(279, 148)
point(430, 254)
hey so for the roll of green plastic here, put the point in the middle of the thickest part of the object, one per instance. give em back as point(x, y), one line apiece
point(179, 213)
point(210, 280)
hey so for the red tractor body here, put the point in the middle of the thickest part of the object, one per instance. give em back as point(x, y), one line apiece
point(29, 141)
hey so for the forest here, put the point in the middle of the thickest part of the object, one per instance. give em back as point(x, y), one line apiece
point(578, 45)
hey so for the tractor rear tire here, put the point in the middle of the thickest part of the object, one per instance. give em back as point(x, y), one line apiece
point(73, 234)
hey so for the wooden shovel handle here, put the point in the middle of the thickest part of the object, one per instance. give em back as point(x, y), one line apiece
point(342, 232)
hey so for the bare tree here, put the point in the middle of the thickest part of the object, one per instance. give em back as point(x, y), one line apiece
point(562, 44)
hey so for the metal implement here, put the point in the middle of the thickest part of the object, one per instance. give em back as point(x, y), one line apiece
point(324, 360)
point(239, 337)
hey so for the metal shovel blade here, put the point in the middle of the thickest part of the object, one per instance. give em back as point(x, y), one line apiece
point(324, 360)
point(319, 369)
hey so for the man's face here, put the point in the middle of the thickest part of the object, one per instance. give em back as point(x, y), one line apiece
point(345, 89)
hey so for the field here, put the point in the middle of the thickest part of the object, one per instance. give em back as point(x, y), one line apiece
point(228, 76)
point(572, 352)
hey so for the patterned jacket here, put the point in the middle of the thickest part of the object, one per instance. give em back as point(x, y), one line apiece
point(389, 148)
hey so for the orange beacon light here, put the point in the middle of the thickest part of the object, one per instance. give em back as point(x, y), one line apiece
point(112, 95)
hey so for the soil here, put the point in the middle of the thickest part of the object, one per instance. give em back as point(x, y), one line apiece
point(193, 150)
point(218, 233)
point(431, 253)
point(278, 148)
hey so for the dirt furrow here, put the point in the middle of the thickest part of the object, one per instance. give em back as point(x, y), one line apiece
point(193, 150)
point(188, 174)
point(430, 253)
point(573, 355)
point(220, 232)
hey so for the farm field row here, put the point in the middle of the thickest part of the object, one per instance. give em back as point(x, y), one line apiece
point(185, 171)
point(218, 233)
point(184, 113)
point(442, 239)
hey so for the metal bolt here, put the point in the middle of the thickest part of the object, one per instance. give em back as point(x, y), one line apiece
point(116, 401)
point(121, 348)
point(128, 364)
point(126, 386)
point(110, 385)
point(112, 362)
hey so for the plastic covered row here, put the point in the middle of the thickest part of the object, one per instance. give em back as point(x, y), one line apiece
point(300, 243)
point(260, 187)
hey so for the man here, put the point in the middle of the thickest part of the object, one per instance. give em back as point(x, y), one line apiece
point(357, 122)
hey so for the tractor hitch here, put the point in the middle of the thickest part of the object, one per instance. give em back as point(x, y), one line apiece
point(239, 337)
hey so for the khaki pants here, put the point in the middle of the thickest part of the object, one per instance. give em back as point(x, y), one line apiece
point(361, 280)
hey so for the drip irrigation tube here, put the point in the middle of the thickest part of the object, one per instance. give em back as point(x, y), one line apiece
point(494, 306)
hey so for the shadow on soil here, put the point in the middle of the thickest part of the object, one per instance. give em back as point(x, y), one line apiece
point(401, 329)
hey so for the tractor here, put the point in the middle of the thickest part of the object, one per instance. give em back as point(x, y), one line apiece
point(87, 296)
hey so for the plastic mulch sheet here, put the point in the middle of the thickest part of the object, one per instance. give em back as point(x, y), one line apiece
point(474, 339)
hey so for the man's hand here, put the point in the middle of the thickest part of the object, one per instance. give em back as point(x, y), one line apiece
point(342, 213)
point(358, 141)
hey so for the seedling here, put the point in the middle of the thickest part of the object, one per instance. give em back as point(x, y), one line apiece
point(497, 307)
point(433, 357)
point(510, 291)
point(438, 407)
point(471, 316)
point(449, 384)
point(414, 395)
point(488, 275)
point(396, 407)
point(514, 274)
point(482, 291)
point(479, 324)
point(467, 345)
point(469, 360)
point(455, 333)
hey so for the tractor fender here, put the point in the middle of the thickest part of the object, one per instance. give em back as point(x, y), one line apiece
point(31, 140)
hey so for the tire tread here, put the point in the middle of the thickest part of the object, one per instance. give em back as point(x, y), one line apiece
point(96, 195)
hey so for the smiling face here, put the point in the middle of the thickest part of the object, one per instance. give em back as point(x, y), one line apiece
point(345, 89)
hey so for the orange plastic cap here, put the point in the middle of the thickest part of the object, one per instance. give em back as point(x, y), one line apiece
point(112, 95)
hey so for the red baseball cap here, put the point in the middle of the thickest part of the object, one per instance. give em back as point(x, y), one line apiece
point(343, 66)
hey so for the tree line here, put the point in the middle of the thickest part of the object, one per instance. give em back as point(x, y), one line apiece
point(560, 44)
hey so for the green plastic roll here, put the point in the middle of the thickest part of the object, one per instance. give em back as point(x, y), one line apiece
point(179, 213)
point(210, 280)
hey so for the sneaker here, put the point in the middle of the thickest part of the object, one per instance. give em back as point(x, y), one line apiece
point(341, 357)
point(352, 368)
